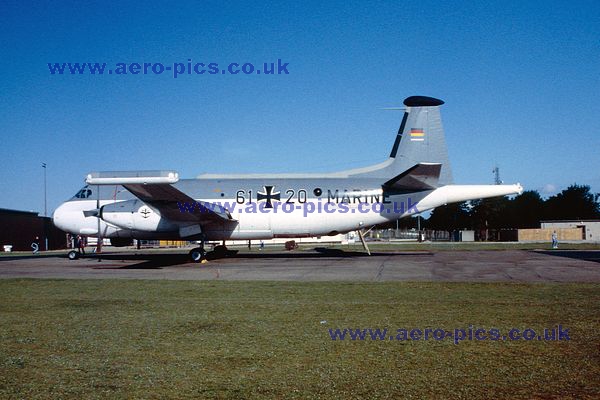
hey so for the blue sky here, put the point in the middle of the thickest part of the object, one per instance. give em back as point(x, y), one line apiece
point(520, 80)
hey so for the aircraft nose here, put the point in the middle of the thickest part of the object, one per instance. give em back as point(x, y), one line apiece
point(59, 218)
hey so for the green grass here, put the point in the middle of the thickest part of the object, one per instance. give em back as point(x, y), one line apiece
point(167, 339)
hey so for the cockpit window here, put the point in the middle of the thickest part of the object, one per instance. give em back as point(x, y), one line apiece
point(83, 193)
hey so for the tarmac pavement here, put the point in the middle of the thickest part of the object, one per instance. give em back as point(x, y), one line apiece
point(319, 265)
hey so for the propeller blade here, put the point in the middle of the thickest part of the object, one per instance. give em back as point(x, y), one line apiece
point(91, 213)
point(100, 238)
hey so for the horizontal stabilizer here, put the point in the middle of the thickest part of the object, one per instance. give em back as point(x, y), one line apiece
point(420, 177)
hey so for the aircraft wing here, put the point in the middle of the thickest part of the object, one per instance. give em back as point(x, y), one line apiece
point(155, 189)
point(173, 204)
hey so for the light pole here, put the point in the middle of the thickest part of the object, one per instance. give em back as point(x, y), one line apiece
point(45, 210)
point(45, 206)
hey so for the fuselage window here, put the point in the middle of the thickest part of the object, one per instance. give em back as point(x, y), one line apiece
point(84, 193)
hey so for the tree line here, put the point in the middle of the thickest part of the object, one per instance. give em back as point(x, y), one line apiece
point(523, 211)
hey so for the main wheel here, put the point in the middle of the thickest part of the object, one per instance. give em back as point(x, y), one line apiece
point(220, 250)
point(197, 254)
point(73, 255)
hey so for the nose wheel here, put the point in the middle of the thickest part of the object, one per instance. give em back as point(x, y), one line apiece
point(197, 254)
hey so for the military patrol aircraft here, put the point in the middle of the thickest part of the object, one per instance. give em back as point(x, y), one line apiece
point(416, 177)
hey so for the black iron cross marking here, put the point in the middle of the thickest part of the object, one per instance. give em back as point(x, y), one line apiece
point(268, 196)
point(145, 212)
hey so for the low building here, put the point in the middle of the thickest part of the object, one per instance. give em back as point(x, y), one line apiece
point(18, 230)
point(545, 234)
point(590, 228)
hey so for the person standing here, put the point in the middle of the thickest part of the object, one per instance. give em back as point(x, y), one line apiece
point(554, 240)
point(80, 244)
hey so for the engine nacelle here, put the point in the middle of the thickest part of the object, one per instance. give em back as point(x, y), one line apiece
point(135, 215)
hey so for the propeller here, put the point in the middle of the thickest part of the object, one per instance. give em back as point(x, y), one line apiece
point(91, 213)
point(97, 211)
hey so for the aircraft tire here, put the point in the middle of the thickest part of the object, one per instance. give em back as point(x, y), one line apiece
point(197, 255)
point(220, 251)
point(73, 255)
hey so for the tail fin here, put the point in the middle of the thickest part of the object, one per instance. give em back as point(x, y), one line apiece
point(421, 137)
point(420, 140)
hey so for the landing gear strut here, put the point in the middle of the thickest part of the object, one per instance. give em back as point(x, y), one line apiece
point(361, 235)
point(198, 254)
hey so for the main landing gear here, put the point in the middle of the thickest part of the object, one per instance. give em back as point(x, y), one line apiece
point(198, 254)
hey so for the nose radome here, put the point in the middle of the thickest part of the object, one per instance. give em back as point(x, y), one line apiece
point(60, 219)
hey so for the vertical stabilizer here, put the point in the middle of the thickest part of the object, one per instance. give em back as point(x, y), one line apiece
point(420, 140)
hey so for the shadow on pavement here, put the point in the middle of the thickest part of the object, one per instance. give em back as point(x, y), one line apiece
point(586, 255)
point(158, 261)
point(31, 256)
